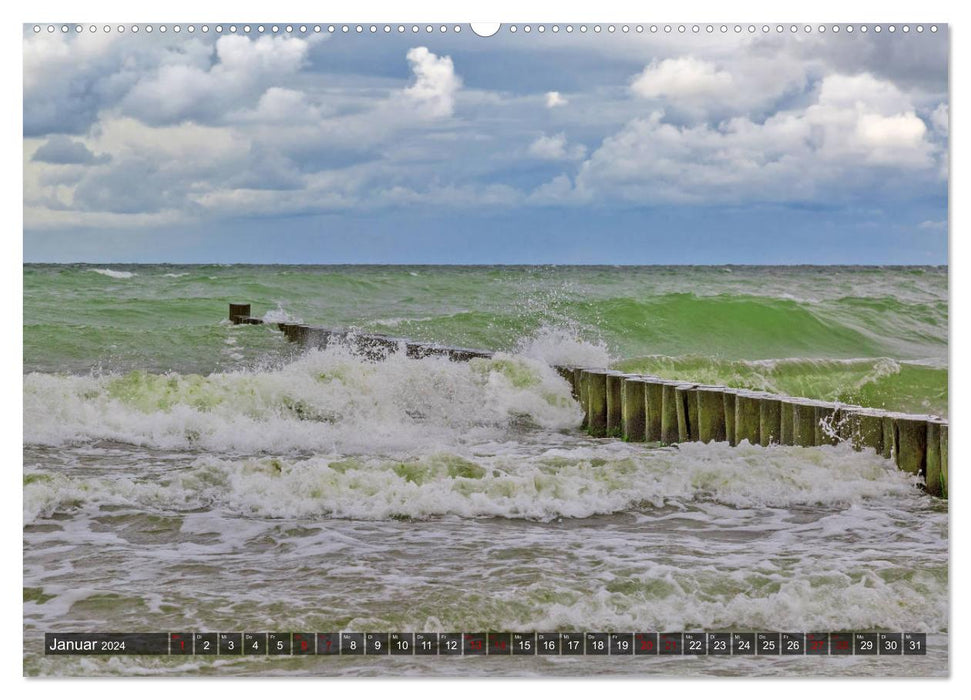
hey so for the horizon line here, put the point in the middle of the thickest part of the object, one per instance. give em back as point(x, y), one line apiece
point(484, 264)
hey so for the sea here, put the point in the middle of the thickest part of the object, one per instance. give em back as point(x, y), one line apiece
point(181, 473)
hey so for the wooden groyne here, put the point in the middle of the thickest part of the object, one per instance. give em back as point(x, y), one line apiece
point(645, 408)
point(375, 346)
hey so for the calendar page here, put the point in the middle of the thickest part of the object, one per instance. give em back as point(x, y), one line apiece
point(520, 349)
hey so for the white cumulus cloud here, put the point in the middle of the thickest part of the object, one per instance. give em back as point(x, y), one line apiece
point(435, 82)
point(555, 148)
point(242, 70)
point(859, 128)
point(684, 77)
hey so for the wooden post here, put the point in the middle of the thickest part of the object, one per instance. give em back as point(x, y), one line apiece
point(567, 374)
point(682, 396)
point(584, 401)
point(633, 419)
point(728, 406)
point(653, 396)
point(889, 442)
point(711, 414)
point(294, 332)
point(237, 312)
point(691, 404)
point(614, 405)
point(944, 461)
point(669, 414)
point(933, 481)
point(786, 419)
point(596, 402)
point(911, 446)
point(863, 428)
point(803, 423)
point(747, 417)
point(827, 424)
point(848, 423)
point(770, 421)
point(576, 384)
point(376, 347)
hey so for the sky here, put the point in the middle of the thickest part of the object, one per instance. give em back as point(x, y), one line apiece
point(562, 148)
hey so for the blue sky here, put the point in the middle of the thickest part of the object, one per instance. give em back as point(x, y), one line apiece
point(521, 148)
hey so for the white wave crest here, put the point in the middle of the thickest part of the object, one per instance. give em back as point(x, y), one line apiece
point(114, 274)
point(574, 482)
point(325, 400)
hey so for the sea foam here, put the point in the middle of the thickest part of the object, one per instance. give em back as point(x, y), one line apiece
point(115, 274)
point(325, 400)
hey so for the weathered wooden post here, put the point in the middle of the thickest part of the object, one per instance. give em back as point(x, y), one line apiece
point(596, 382)
point(848, 423)
point(863, 428)
point(728, 406)
point(669, 414)
point(787, 420)
point(295, 332)
point(889, 441)
point(827, 424)
point(933, 481)
point(944, 461)
point(711, 414)
point(581, 379)
point(803, 423)
point(237, 312)
point(691, 404)
point(911, 446)
point(567, 374)
point(614, 406)
point(747, 417)
point(653, 395)
point(683, 403)
point(633, 418)
point(770, 421)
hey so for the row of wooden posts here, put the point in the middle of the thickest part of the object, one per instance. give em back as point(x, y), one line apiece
point(642, 408)
point(374, 346)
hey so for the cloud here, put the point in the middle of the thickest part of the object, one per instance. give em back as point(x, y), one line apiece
point(862, 91)
point(693, 89)
point(242, 69)
point(439, 195)
point(939, 119)
point(555, 148)
point(435, 82)
point(283, 107)
point(861, 116)
point(559, 190)
point(860, 130)
point(933, 225)
point(683, 78)
point(196, 128)
point(225, 146)
point(68, 79)
point(62, 150)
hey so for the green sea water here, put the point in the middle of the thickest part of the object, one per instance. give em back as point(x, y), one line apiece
point(867, 335)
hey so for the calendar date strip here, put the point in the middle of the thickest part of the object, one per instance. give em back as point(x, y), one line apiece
point(486, 644)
